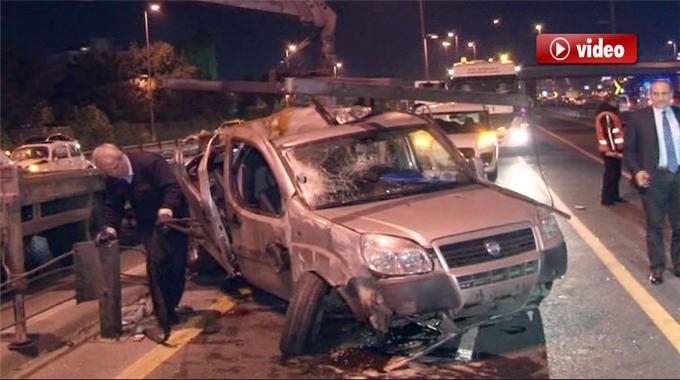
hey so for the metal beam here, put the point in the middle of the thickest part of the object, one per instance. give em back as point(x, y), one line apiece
point(590, 70)
point(379, 88)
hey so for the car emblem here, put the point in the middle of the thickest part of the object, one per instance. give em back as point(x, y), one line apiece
point(493, 248)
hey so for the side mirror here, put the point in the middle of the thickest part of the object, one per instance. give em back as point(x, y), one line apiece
point(479, 167)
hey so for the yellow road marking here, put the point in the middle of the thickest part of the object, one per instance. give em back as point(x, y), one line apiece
point(663, 320)
point(159, 354)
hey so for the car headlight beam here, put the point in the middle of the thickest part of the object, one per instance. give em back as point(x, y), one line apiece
point(393, 256)
point(487, 139)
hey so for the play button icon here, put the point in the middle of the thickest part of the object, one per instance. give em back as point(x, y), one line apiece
point(560, 49)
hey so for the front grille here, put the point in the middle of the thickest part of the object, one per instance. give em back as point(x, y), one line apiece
point(473, 251)
point(498, 275)
point(467, 152)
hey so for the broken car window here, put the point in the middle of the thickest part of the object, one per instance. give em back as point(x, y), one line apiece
point(373, 166)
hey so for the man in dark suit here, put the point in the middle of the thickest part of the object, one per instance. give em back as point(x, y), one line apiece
point(652, 153)
point(146, 181)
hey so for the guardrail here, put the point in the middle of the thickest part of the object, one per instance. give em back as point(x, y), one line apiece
point(31, 204)
point(572, 112)
point(160, 146)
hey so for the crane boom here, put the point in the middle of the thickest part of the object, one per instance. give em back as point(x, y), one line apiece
point(316, 12)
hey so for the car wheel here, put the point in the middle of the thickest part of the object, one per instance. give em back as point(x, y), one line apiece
point(301, 317)
point(493, 175)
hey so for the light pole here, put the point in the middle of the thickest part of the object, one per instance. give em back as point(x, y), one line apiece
point(472, 45)
point(290, 50)
point(454, 35)
point(675, 48)
point(430, 36)
point(446, 45)
point(424, 38)
point(336, 67)
point(152, 8)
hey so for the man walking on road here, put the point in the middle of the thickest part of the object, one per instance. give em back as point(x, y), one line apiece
point(652, 153)
point(146, 181)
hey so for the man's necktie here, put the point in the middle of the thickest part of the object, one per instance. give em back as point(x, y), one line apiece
point(668, 142)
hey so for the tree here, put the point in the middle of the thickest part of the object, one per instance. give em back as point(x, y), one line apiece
point(92, 126)
point(165, 63)
point(26, 84)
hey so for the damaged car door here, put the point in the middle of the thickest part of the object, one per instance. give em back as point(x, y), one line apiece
point(256, 213)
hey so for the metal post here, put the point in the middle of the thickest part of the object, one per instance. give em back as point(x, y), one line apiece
point(422, 35)
point(612, 16)
point(10, 223)
point(149, 78)
point(110, 323)
point(88, 270)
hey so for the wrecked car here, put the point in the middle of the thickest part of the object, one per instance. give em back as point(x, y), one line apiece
point(384, 212)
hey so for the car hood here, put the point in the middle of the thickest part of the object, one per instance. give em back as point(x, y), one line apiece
point(428, 217)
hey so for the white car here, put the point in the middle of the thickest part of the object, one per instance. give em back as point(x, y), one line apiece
point(469, 128)
point(54, 153)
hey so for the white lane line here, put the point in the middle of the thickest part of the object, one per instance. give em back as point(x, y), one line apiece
point(576, 147)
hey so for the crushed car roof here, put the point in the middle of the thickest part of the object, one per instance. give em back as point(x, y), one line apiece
point(299, 125)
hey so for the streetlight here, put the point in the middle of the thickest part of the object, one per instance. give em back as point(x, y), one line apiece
point(290, 50)
point(539, 28)
point(472, 45)
point(454, 35)
point(336, 67)
point(426, 54)
point(153, 8)
point(496, 21)
point(675, 48)
point(446, 45)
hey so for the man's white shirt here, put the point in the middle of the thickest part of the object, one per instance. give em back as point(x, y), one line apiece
point(675, 132)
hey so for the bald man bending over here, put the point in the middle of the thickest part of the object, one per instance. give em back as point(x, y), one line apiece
point(146, 181)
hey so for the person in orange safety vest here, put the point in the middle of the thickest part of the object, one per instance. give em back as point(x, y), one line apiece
point(609, 131)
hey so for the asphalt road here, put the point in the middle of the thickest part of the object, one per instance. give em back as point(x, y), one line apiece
point(603, 320)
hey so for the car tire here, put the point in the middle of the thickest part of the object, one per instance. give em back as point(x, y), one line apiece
point(301, 317)
point(492, 176)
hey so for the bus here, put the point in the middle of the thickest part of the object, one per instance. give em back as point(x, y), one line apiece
point(499, 77)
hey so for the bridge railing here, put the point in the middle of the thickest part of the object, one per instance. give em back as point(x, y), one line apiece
point(32, 204)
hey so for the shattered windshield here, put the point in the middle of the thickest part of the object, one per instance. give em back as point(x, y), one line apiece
point(30, 153)
point(373, 166)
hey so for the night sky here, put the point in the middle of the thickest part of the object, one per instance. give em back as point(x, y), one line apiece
point(376, 38)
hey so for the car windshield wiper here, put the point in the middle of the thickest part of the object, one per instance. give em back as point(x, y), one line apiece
point(374, 198)
point(421, 188)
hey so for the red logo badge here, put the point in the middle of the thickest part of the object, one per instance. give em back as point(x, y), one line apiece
point(586, 48)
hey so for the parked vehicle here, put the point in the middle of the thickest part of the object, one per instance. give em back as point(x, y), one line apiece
point(383, 213)
point(52, 153)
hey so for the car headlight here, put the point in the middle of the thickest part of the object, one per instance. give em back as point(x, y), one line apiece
point(548, 226)
point(486, 139)
point(393, 256)
point(519, 136)
point(33, 168)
